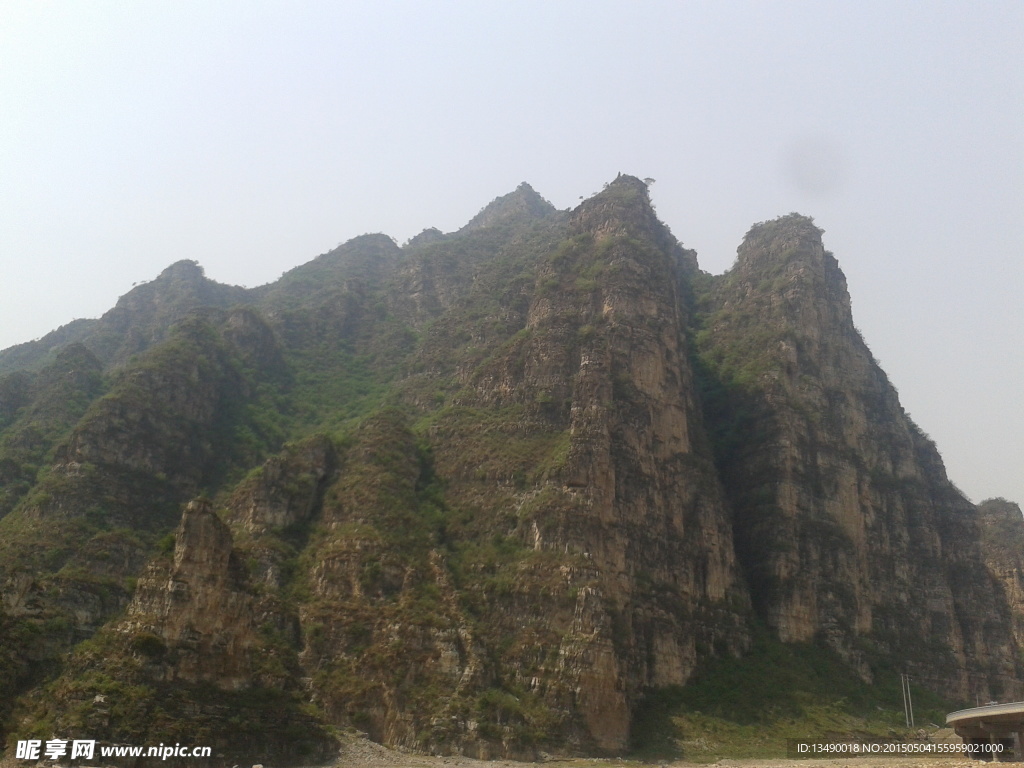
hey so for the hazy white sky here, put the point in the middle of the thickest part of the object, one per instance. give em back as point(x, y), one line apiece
point(252, 136)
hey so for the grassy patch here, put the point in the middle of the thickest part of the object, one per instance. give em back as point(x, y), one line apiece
point(749, 707)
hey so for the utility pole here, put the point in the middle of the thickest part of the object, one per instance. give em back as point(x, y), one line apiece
point(908, 703)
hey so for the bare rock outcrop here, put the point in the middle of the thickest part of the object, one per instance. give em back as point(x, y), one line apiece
point(846, 524)
point(490, 493)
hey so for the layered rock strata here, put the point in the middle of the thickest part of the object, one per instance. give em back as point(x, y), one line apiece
point(479, 494)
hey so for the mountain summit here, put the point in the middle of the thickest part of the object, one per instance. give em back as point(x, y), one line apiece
point(522, 204)
point(496, 492)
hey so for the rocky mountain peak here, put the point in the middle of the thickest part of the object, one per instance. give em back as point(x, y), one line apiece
point(140, 318)
point(178, 289)
point(428, 235)
point(623, 208)
point(781, 242)
point(491, 495)
point(785, 264)
point(186, 270)
point(999, 507)
point(1004, 533)
point(371, 251)
point(522, 204)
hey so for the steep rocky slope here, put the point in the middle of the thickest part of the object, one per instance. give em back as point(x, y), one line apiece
point(140, 318)
point(485, 493)
point(1002, 541)
point(36, 410)
point(846, 524)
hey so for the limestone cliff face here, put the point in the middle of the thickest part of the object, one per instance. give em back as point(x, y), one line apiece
point(134, 455)
point(386, 643)
point(72, 547)
point(603, 460)
point(479, 494)
point(201, 653)
point(198, 606)
point(1002, 542)
point(846, 524)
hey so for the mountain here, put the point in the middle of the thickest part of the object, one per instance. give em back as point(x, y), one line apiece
point(1002, 540)
point(846, 523)
point(492, 492)
point(140, 318)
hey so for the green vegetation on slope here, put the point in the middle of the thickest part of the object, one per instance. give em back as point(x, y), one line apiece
point(748, 707)
point(461, 534)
